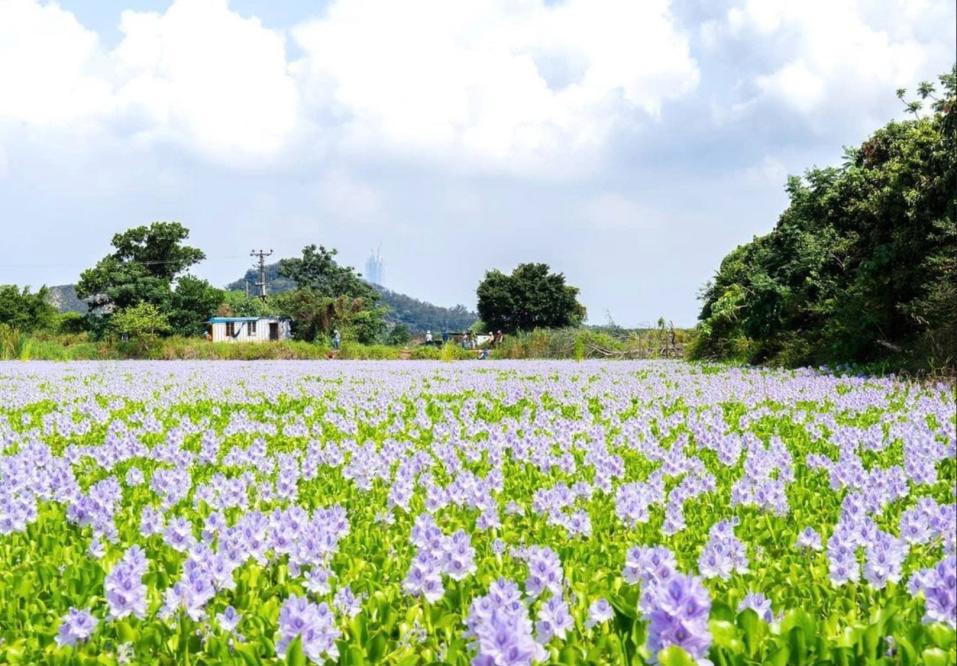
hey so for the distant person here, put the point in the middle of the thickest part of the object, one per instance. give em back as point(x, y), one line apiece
point(445, 336)
point(428, 337)
point(499, 336)
point(336, 339)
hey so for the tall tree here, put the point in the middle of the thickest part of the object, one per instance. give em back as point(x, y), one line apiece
point(192, 303)
point(329, 296)
point(25, 311)
point(531, 297)
point(141, 268)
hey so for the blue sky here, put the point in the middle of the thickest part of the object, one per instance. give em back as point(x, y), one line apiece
point(628, 144)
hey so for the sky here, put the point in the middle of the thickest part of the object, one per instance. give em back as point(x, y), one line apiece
point(628, 144)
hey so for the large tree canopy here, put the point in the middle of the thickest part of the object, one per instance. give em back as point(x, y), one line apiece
point(531, 297)
point(141, 268)
point(861, 265)
point(329, 296)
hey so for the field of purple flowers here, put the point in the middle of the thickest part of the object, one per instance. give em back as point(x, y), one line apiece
point(473, 513)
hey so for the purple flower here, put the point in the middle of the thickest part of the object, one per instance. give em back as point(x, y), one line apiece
point(229, 619)
point(76, 627)
point(348, 603)
point(759, 603)
point(677, 611)
point(313, 623)
point(809, 539)
point(724, 553)
point(125, 592)
point(501, 630)
point(939, 587)
point(554, 620)
point(544, 571)
point(599, 612)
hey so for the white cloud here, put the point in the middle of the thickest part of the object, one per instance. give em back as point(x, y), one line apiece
point(205, 76)
point(843, 56)
point(516, 86)
point(50, 67)
point(504, 85)
point(198, 75)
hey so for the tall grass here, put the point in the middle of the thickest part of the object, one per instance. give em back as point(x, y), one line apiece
point(582, 343)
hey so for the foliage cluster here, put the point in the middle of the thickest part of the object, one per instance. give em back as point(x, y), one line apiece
point(530, 297)
point(861, 267)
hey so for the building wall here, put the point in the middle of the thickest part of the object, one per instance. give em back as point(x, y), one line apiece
point(242, 331)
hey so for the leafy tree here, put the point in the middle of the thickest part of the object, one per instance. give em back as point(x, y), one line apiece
point(399, 335)
point(861, 265)
point(193, 302)
point(141, 269)
point(317, 270)
point(240, 304)
point(25, 311)
point(531, 297)
point(315, 315)
point(329, 296)
point(139, 324)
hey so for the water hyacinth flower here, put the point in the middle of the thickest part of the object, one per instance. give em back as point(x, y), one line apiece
point(599, 612)
point(500, 628)
point(544, 571)
point(554, 620)
point(347, 603)
point(724, 553)
point(76, 627)
point(939, 587)
point(229, 619)
point(809, 539)
point(677, 612)
point(317, 580)
point(759, 603)
point(125, 592)
point(649, 564)
point(314, 624)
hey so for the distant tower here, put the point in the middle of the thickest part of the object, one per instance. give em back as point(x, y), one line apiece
point(374, 268)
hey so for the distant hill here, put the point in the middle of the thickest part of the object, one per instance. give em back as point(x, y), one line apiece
point(416, 315)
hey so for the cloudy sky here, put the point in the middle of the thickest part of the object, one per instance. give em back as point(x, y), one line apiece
point(628, 143)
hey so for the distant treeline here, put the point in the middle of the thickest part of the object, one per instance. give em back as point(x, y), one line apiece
point(860, 268)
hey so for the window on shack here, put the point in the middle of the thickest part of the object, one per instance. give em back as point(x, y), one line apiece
point(231, 329)
point(251, 329)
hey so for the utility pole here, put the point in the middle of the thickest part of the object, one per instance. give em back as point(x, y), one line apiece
point(262, 254)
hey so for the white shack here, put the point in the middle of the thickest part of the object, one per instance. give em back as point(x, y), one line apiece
point(248, 329)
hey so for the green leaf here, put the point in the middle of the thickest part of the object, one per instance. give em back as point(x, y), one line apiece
point(936, 657)
point(675, 656)
point(294, 654)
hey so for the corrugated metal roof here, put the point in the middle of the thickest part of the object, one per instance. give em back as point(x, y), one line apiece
point(223, 320)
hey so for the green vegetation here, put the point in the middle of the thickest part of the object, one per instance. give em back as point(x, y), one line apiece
point(417, 316)
point(581, 343)
point(25, 311)
point(861, 267)
point(531, 297)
